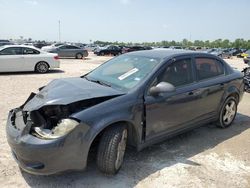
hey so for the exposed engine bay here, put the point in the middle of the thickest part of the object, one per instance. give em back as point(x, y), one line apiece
point(48, 119)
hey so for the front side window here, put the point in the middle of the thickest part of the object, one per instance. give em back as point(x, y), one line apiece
point(28, 51)
point(11, 51)
point(125, 71)
point(208, 68)
point(178, 73)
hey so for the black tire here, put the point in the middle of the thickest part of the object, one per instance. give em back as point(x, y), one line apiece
point(42, 67)
point(111, 149)
point(79, 56)
point(102, 54)
point(227, 113)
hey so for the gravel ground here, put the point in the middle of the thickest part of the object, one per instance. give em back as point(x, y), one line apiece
point(204, 157)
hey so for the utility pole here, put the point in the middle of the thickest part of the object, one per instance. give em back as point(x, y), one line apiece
point(59, 30)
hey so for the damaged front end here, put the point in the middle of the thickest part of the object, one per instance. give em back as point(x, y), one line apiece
point(43, 133)
point(54, 121)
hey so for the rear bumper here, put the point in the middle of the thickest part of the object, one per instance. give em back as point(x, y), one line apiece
point(55, 64)
point(44, 157)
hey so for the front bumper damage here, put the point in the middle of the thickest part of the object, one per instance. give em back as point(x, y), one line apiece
point(62, 146)
point(44, 157)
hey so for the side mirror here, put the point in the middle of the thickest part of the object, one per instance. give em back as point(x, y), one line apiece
point(162, 87)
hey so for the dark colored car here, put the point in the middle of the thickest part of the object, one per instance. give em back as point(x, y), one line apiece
point(113, 50)
point(134, 48)
point(223, 53)
point(69, 51)
point(40, 44)
point(135, 99)
point(6, 43)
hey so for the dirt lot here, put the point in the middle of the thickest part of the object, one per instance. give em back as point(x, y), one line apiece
point(204, 157)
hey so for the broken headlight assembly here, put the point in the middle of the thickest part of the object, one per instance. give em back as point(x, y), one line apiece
point(62, 128)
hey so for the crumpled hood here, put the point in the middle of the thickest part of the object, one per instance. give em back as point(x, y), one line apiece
point(68, 90)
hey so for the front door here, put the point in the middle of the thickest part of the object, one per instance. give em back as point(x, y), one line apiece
point(11, 59)
point(169, 112)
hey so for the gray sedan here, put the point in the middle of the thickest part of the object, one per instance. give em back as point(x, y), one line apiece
point(69, 51)
point(136, 99)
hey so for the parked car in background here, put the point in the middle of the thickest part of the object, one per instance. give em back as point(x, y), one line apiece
point(135, 48)
point(223, 53)
point(80, 45)
point(135, 99)
point(69, 51)
point(91, 47)
point(108, 50)
point(235, 51)
point(176, 47)
point(40, 44)
point(245, 54)
point(28, 44)
point(6, 43)
point(52, 46)
point(16, 58)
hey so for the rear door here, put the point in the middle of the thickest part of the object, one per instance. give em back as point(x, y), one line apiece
point(210, 73)
point(73, 50)
point(11, 59)
point(31, 57)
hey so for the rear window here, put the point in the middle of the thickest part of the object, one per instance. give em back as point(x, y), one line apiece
point(208, 68)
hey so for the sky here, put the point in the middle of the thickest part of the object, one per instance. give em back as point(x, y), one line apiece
point(125, 20)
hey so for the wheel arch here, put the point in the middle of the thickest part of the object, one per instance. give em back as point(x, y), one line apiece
point(230, 92)
point(233, 92)
point(132, 134)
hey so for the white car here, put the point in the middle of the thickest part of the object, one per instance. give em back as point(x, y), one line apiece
point(14, 58)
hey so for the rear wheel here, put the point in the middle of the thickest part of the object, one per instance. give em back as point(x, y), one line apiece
point(42, 67)
point(79, 56)
point(227, 113)
point(111, 149)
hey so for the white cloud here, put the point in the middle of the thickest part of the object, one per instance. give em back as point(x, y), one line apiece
point(32, 2)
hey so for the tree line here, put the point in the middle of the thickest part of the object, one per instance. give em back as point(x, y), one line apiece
point(219, 43)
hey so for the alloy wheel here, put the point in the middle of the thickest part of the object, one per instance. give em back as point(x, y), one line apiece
point(121, 149)
point(229, 112)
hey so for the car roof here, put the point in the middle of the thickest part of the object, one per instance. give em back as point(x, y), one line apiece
point(25, 46)
point(67, 45)
point(163, 53)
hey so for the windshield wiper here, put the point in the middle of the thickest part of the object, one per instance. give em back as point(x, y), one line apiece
point(97, 81)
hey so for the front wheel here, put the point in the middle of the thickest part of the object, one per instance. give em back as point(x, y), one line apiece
point(227, 113)
point(111, 149)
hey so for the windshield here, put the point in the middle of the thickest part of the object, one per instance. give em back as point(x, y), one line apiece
point(125, 71)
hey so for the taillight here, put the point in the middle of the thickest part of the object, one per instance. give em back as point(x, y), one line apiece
point(56, 57)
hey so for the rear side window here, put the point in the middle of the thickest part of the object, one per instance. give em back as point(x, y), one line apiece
point(179, 73)
point(208, 68)
point(27, 51)
point(11, 51)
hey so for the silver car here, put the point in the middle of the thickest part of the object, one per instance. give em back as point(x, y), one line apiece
point(69, 51)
